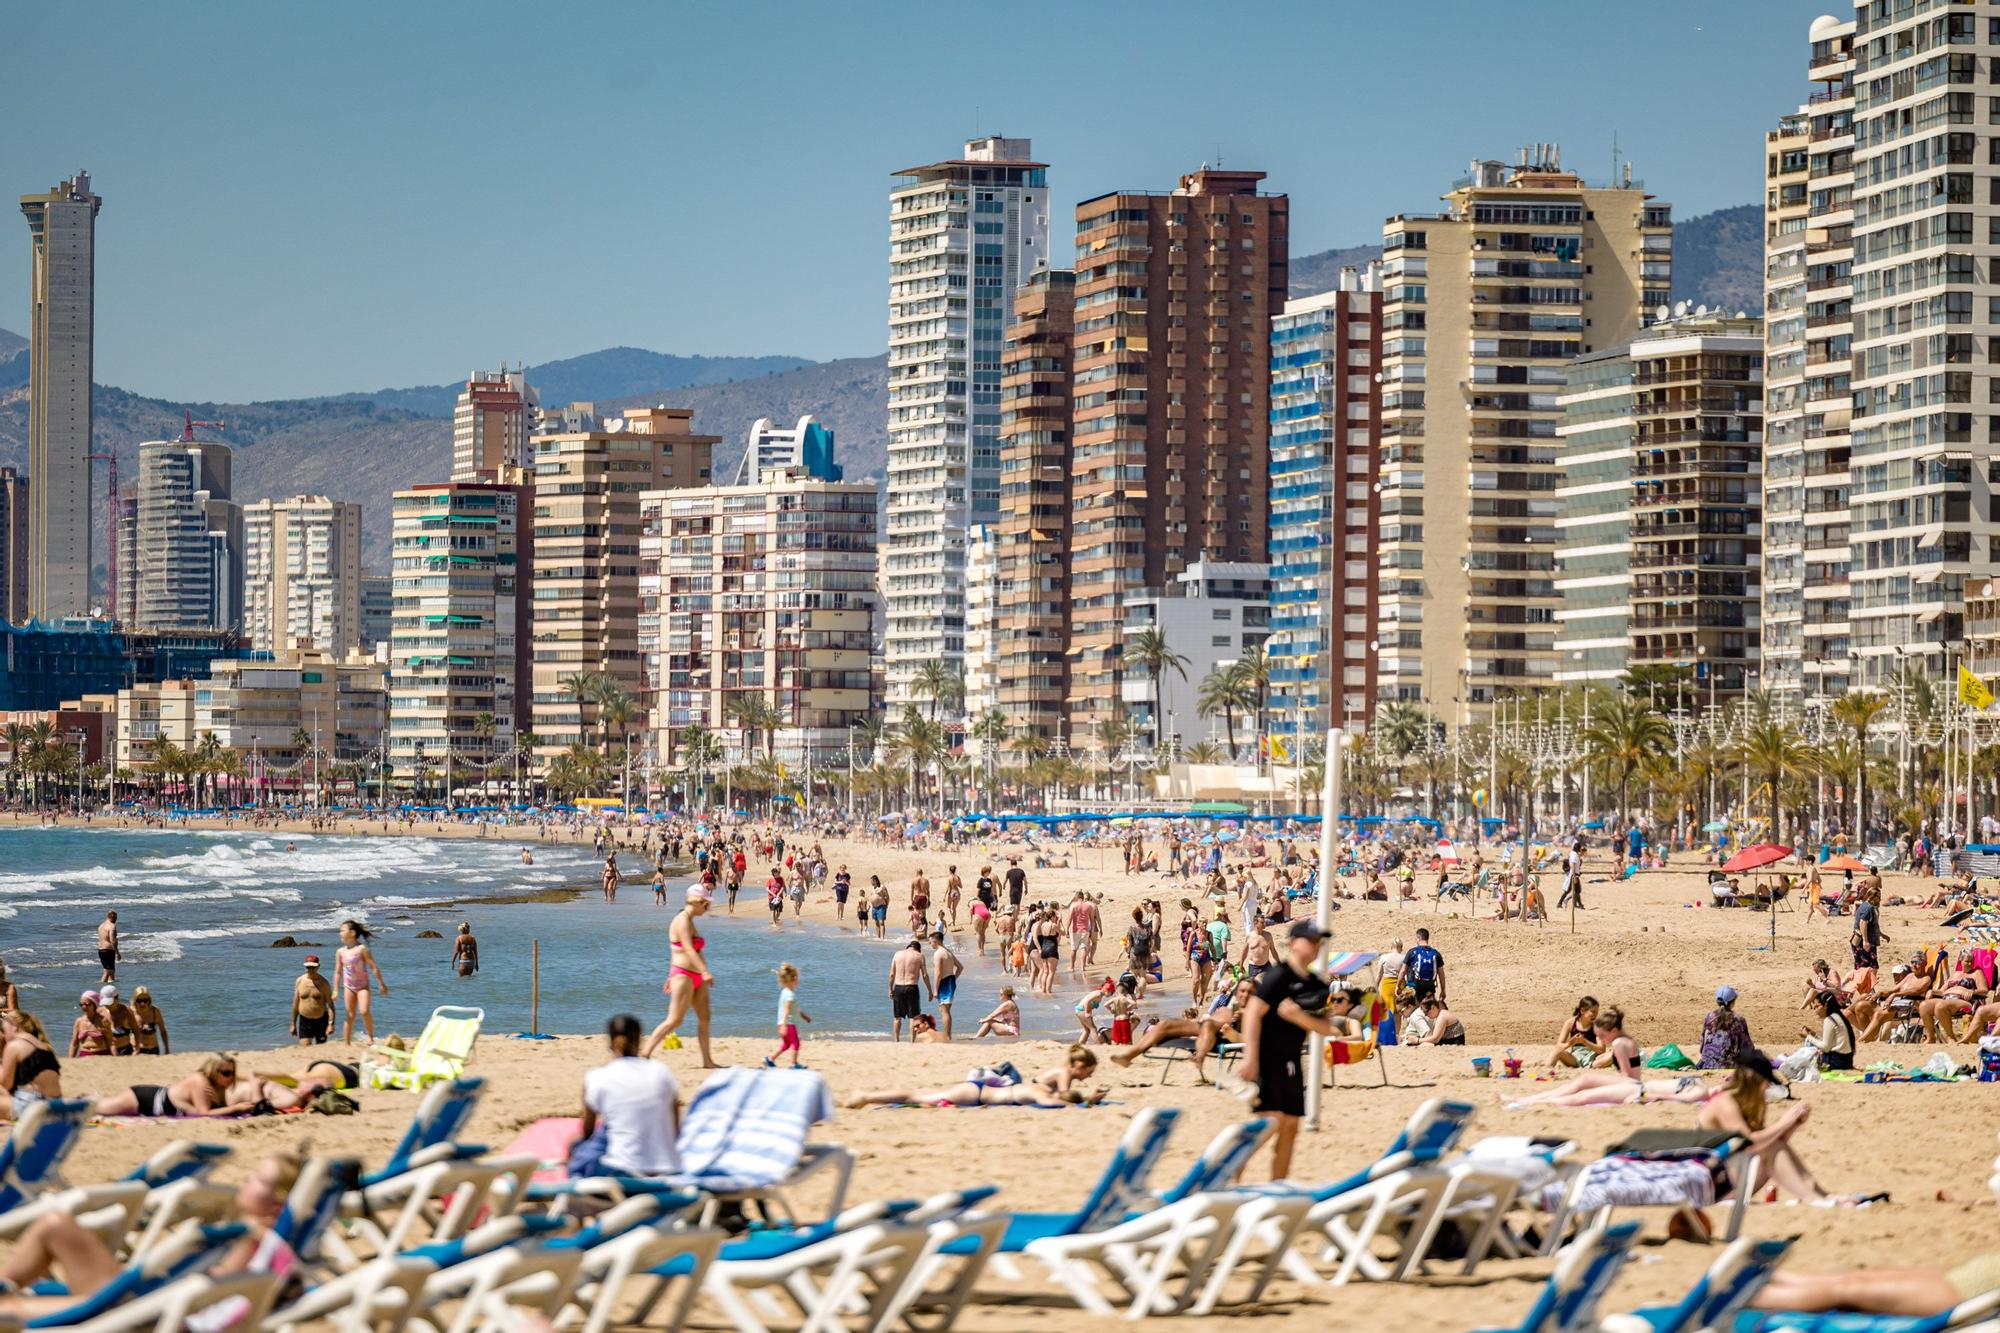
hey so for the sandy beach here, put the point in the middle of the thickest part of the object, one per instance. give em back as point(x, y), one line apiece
point(1641, 944)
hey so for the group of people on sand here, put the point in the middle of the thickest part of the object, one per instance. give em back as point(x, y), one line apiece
point(1923, 999)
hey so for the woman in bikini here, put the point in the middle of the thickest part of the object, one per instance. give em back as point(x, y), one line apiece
point(29, 1070)
point(353, 962)
point(1743, 1107)
point(1608, 1089)
point(1208, 1031)
point(1577, 1046)
point(1056, 1087)
point(202, 1093)
point(689, 982)
point(91, 1033)
point(150, 1034)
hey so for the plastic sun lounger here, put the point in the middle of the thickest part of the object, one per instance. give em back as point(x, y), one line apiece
point(1481, 1188)
point(1175, 1050)
point(32, 1155)
point(1397, 1189)
point(433, 1130)
point(191, 1248)
point(1981, 1312)
point(440, 1053)
point(1739, 1163)
point(1716, 1297)
point(1585, 1270)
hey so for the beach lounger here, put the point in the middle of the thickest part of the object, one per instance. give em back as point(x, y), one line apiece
point(1481, 1187)
point(1716, 1297)
point(31, 1158)
point(380, 1280)
point(1388, 1198)
point(1175, 1050)
point(434, 1128)
point(439, 1055)
point(437, 1202)
point(1981, 1312)
point(1585, 1270)
point(149, 1290)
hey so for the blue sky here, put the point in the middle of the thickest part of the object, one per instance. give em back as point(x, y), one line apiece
point(308, 198)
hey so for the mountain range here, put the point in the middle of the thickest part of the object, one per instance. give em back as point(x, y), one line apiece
point(363, 446)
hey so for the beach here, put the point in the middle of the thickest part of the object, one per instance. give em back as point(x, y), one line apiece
point(1641, 944)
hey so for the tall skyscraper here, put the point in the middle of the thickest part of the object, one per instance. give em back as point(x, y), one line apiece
point(1483, 306)
point(1326, 417)
point(1031, 643)
point(1808, 357)
point(806, 447)
point(14, 525)
point(491, 424)
point(586, 534)
point(1170, 455)
point(302, 574)
point(184, 558)
point(62, 331)
point(963, 235)
point(458, 641)
point(1658, 546)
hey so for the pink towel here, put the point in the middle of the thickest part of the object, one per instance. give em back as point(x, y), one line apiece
point(549, 1140)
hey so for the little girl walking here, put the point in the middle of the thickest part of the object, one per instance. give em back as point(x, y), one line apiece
point(790, 1015)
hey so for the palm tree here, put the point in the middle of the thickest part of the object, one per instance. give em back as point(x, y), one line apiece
point(1149, 651)
point(1623, 736)
point(756, 714)
point(1858, 712)
point(918, 742)
point(207, 759)
point(1223, 691)
point(17, 753)
point(584, 688)
point(1204, 752)
point(1402, 725)
point(935, 681)
point(1775, 752)
point(991, 731)
point(700, 751)
point(1253, 670)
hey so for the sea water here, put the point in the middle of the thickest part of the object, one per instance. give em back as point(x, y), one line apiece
point(198, 912)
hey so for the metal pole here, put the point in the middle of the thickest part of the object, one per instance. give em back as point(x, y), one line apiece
point(1329, 845)
point(535, 991)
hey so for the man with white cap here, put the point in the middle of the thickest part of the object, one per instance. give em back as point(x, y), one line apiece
point(312, 1004)
point(124, 1023)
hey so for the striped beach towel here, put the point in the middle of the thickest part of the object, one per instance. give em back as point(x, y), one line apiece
point(747, 1127)
point(1637, 1182)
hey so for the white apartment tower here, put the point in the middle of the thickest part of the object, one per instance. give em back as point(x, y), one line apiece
point(62, 326)
point(302, 578)
point(963, 235)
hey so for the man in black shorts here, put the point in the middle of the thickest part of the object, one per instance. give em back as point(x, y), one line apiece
point(1017, 882)
point(1287, 1005)
point(906, 973)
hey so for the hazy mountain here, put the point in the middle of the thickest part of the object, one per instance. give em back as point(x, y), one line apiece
point(615, 373)
point(1718, 261)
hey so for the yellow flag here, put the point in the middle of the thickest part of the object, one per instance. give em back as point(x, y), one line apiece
point(1971, 689)
point(1277, 750)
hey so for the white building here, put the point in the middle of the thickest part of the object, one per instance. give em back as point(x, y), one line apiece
point(982, 607)
point(963, 234)
point(491, 424)
point(302, 582)
point(1211, 615)
point(805, 448)
point(182, 548)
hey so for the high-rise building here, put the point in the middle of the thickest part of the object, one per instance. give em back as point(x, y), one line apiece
point(1031, 562)
point(806, 446)
point(1658, 545)
point(1209, 615)
point(61, 337)
point(759, 595)
point(183, 549)
point(302, 581)
point(1170, 454)
point(491, 424)
point(459, 659)
point(1923, 463)
point(585, 533)
point(1483, 306)
point(982, 628)
point(15, 523)
point(1326, 414)
point(378, 610)
point(1808, 355)
point(963, 235)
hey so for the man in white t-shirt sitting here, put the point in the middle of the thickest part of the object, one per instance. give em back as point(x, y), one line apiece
point(638, 1102)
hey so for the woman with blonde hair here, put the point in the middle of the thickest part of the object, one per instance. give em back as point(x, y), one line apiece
point(29, 1070)
point(202, 1093)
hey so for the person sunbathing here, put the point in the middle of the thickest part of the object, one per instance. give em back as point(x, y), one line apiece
point(1609, 1089)
point(56, 1245)
point(1966, 993)
point(1055, 1087)
point(1915, 1292)
point(1906, 993)
point(206, 1092)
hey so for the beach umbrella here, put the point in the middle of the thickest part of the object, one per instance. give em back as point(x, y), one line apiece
point(1716, 826)
point(1756, 858)
point(1446, 852)
point(1843, 862)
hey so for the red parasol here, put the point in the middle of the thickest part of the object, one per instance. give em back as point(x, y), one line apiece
point(1756, 858)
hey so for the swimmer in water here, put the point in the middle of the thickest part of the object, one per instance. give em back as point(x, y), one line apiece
point(527, 856)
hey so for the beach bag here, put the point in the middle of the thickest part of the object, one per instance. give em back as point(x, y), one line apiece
point(334, 1103)
point(1669, 1056)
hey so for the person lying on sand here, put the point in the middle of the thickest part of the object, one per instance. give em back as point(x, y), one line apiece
point(1055, 1087)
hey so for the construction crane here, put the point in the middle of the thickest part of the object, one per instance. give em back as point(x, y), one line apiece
point(189, 423)
point(111, 526)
